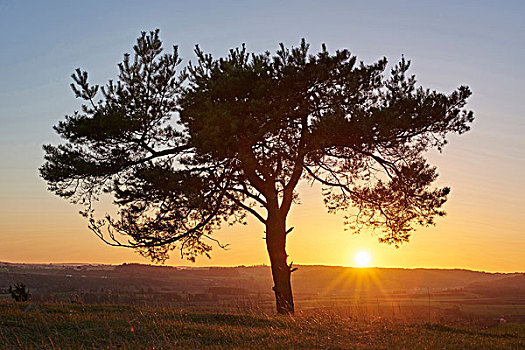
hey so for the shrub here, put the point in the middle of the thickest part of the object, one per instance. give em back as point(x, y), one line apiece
point(19, 292)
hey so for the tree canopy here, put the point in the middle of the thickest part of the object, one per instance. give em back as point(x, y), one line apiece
point(185, 151)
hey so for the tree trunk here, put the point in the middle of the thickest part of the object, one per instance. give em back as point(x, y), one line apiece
point(276, 245)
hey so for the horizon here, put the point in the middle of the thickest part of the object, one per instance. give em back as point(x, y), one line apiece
point(260, 265)
point(449, 45)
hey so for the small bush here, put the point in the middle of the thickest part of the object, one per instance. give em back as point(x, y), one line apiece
point(19, 292)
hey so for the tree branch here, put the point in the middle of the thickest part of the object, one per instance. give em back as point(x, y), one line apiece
point(247, 208)
point(297, 170)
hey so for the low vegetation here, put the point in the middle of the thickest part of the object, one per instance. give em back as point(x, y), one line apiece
point(19, 292)
point(75, 326)
point(146, 307)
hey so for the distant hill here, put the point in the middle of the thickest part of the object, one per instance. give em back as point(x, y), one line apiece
point(507, 287)
point(48, 279)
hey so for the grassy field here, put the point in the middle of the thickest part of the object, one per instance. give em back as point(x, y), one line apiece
point(74, 326)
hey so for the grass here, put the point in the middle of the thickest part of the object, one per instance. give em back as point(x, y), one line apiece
point(73, 326)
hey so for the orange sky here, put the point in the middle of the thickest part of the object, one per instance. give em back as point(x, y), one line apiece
point(449, 44)
point(473, 235)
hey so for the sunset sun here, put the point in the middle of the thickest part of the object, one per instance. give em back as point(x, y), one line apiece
point(362, 259)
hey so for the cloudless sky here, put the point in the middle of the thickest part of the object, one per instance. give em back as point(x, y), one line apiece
point(477, 43)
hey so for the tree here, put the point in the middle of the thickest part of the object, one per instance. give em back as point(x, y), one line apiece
point(250, 127)
point(19, 292)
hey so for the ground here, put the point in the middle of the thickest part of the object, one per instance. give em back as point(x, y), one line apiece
point(77, 326)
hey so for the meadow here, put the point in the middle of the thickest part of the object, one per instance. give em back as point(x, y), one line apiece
point(147, 307)
point(78, 326)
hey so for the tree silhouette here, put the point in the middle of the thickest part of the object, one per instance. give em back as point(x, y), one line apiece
point(250, 127)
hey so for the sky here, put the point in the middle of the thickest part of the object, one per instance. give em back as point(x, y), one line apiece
point(450, 43)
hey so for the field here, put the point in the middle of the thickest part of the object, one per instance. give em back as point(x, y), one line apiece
point(147, 307)
point(74, 326)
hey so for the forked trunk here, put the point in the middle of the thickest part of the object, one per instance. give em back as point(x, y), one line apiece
point(276, 245)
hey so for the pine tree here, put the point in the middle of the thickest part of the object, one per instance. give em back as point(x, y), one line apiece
point(184, 153)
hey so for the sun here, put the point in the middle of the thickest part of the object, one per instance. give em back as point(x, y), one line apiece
point(362, 259)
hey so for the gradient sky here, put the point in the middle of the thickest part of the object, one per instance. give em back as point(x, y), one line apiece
point(478, 43)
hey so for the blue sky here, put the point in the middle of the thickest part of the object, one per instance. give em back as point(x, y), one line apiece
point(478, 43)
